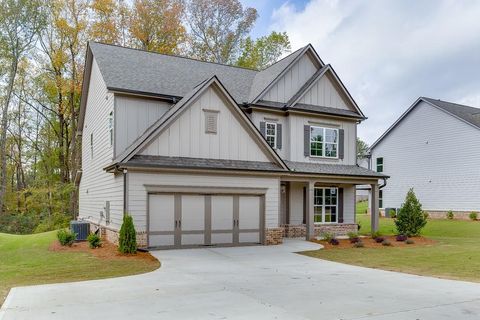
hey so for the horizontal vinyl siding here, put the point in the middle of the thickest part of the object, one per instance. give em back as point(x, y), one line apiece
point(133, 115)
point(137, 194)
point(186, 136)
point(97, 186)
point(325, 93)
point(436, 154)
point(291, 81)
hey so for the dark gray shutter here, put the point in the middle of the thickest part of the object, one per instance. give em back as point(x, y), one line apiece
point(262, 128)
point(306, 140)
point(279, 136)
point(340, 205)
point(341, 142)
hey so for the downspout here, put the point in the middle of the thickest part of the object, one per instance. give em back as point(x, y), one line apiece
point(384, 184)
point(125, 192)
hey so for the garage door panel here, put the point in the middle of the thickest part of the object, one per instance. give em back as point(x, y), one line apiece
point(249, 212)
point(193, 239)
point(222, 238)
point(161, 240)
point(222, 212)
point(162, 213)
point(250, 237)
point(193, 212)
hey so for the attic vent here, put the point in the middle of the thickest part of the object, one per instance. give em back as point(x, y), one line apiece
point(211, 119)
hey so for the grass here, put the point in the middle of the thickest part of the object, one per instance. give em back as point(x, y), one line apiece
point(361, 207)
point(26, 260)
point(455, 254)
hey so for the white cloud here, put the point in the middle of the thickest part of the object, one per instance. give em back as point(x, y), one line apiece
point(390, 52)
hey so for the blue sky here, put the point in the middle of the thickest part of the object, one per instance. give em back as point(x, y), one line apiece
point(387, 52)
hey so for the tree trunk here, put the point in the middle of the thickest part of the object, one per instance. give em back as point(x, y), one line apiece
point(3, 137)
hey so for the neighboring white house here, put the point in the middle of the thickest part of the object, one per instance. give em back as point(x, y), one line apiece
point(434, 148)
point(200, 153)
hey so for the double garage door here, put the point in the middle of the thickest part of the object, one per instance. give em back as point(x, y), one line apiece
point(188, 220)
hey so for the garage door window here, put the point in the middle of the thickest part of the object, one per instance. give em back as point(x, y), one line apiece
point(325, 205)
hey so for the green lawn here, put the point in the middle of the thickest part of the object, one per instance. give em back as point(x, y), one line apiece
point(455, 255)
point(361, 207)
point(26, 260)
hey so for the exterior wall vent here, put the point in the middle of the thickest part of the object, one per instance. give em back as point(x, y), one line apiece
point(211, 121)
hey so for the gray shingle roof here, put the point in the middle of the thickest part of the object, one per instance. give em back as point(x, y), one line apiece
point(468, 114)
point(333, 169)
point(128, 69)
point(201, 163)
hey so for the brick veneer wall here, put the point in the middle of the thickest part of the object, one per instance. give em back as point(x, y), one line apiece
point(299, 231)
point(463, 215)
point(274, 236)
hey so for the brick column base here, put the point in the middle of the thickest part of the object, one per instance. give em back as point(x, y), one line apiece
point(273, 236)
point(338, 229)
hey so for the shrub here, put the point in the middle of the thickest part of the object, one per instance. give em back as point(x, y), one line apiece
point(94, 240)
point(392, 213)
point(450, 215)
point(127, 241)
point(386, 243)
point(473, 216)
point(376, 234)
point(426, 215)
point(409, 241)
point(334, 242)
point(353, 237)
point(401, 237)
point(66, 237)
point(327, 236)
point(358, 244)
point(379, 239)
point(410, 219)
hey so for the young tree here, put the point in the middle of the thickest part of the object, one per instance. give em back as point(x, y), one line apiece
point(156, 25)
point(410, 219)
point(362, 148)
point(217, 27)
point(20, 23)
point(264, 51)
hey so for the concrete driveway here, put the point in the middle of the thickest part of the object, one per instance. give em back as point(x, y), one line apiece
point(249, 283)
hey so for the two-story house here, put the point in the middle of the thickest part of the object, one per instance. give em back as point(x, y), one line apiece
point(200, 153)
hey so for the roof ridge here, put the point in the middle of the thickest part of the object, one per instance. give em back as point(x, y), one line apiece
point(174, 56)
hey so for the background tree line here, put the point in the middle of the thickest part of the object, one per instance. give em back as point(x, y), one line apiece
point(42, 48)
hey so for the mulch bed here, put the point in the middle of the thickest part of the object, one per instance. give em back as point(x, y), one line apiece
point(368, 242)
point(107, 251)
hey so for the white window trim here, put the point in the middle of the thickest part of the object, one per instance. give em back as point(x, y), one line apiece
point(323, 205)
point(382, 165)
point(323, 143)
point(271, 135)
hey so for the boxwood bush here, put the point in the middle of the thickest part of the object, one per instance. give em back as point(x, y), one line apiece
point(94, 240)
point(66, 237)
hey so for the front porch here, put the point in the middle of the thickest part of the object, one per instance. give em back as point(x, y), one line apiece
point(311, 207)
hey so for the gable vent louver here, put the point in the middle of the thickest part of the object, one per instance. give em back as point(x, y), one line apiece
point(211, 121)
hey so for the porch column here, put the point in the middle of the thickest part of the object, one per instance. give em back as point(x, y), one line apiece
point(309, 220)
point(374, 206)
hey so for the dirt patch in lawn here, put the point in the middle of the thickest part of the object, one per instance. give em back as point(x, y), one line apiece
point(107, 251)
point(371, 243)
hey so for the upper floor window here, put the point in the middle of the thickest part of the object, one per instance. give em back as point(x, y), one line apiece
point(271, 133)
point(323, 142)
point(379, 164)
point(91, 145)
point(110, 127)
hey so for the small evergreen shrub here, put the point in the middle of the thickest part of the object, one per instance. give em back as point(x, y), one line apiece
point(410, 218)
point(426, 215)
point(127, 241)
point(94, 241)
point(386, 243)
point(353, 237)
point(379, 239)
point(450, 215)
point(392, 213)
point(66, 237)
point(401, 237)
point(327, 236)
point(473, 216)
point(376, 234)
point(358, 244)
point(409, 241)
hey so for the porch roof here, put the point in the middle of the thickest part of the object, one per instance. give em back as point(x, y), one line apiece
point(333, 169)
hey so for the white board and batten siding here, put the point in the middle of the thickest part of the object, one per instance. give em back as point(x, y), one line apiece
point(133, 115)
point(325, 93)
point(138, 182)
point(186, 136)
point(97, 186)
point(436, 154)
point(292, 80)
